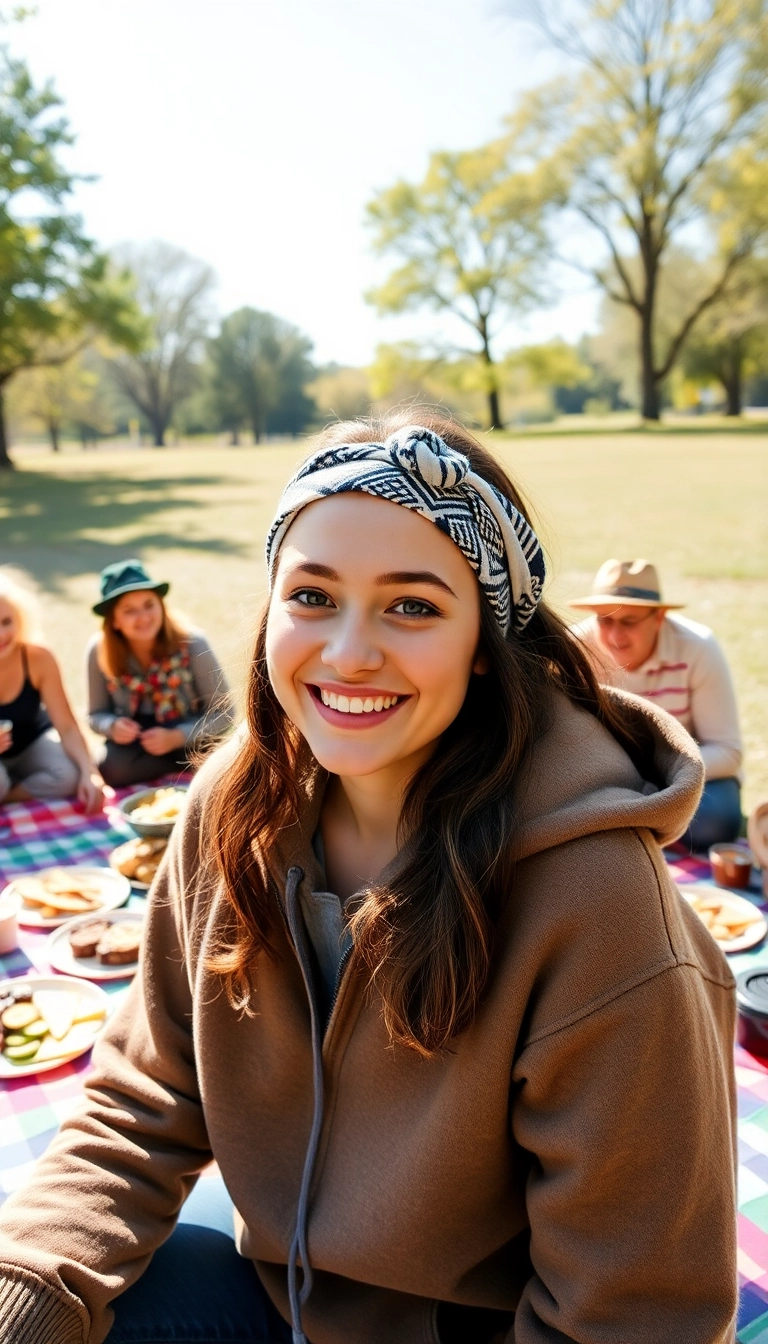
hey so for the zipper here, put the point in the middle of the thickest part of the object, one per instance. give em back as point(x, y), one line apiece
point(339, 977)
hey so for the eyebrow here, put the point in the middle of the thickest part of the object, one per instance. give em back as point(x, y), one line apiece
point(395, 576)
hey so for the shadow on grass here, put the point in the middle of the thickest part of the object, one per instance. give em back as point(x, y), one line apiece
point(47, 517)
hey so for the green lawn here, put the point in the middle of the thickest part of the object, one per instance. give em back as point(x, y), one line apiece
point(695, 503)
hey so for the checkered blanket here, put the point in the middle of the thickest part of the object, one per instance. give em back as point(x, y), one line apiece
point(31, 1109)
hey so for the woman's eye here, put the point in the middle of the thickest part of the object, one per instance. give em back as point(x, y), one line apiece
point(310, 597)
point(413, 606)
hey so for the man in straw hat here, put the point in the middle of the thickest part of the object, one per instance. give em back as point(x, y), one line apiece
point(635, 644)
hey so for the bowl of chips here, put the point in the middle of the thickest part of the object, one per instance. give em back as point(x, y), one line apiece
point(154, 812)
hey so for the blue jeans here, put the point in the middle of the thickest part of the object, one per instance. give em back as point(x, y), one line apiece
point(718, 816)
point(197, 1289)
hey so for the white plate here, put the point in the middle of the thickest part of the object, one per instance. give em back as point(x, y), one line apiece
point(61, 957)
point(116, 890)
point(739, 905)
point(33, 982)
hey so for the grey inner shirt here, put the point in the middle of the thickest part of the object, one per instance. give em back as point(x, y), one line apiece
point(326, 925)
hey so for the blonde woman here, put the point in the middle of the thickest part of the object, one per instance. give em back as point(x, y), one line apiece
point(43, 753)
point(155, 688)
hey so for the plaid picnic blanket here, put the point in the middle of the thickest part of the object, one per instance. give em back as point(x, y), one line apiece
point(36, 835)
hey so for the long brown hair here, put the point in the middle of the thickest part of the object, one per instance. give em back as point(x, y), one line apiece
point(427, 935)
point(114, 651)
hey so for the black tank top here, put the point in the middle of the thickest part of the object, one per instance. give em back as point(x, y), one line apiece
point(26, 713)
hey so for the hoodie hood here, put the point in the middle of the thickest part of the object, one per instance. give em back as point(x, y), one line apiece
point(582, 781)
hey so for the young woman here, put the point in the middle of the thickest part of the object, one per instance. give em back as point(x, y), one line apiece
point(43, 753)
point(155, 689)
point(415, 975)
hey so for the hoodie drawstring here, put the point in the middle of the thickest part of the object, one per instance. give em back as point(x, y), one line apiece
point(299, 1254)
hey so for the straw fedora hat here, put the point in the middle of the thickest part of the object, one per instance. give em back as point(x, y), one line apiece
point(625, 583)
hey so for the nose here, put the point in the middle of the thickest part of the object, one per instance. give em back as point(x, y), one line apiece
point(351, 647)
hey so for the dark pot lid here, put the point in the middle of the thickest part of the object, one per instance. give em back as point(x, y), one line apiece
point(752, 992)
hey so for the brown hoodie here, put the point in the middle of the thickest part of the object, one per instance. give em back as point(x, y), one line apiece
point(569, 1162)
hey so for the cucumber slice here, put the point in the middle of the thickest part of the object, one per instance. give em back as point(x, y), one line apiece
point(16, 1039)
point(36, 1030)
point(19, 1016)
point(22, 1054)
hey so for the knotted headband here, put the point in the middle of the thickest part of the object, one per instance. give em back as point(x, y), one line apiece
point(417, 469)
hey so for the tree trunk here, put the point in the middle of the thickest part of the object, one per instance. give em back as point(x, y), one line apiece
point(649, 387)
point(494, 412)
point(53, 434)
point(5, 459)
point(234, 438)
point(731, 379)
point(494, 407)
point(159, 425)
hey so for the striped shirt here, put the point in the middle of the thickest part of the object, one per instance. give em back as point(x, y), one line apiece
point(688, 676)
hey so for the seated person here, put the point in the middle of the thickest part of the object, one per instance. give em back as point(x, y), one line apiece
point(43, 753)
point(155, 689)
point(678, 664)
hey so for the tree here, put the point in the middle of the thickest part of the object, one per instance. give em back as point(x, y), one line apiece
point(56, 290)
point(258, 368)
point(662, 125)
point(174, 294)
point(61, 396)
point(471, 240)
point(730, 344)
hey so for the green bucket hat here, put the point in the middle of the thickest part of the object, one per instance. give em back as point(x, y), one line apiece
point(125, 576)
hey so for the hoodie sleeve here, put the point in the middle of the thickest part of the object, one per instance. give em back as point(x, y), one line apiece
point(109, 1189)
point(627, 1111)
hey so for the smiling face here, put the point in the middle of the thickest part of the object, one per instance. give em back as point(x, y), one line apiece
point(372, 634)
point(138, 617)
point(9, 628)
point(628, 634)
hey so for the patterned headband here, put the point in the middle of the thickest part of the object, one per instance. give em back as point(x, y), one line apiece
point(417, 469)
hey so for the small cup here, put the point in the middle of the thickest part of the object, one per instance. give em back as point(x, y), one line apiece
point(731, 865)
point(10, 905)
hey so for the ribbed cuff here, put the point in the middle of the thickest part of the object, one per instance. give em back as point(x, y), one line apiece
point(31, 1312)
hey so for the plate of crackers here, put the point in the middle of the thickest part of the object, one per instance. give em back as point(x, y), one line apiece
point(54, 895)
point(46, 1022)
point(734, 922)
point(139, 859)
point(98, 947)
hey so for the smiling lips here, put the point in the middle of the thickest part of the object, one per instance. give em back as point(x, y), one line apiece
point(355, 711)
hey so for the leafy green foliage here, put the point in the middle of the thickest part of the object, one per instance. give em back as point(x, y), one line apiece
point(56, 290)
point(663, 122)
point(259, 368)
point(471, 243)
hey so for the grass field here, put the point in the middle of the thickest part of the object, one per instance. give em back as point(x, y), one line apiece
point(695, 503)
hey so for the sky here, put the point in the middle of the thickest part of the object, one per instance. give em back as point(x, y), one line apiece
point(252, 133)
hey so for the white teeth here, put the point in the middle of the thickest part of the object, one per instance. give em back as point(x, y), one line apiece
point(355, 704)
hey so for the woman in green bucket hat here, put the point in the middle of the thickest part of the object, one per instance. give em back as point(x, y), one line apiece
point(155, 688)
